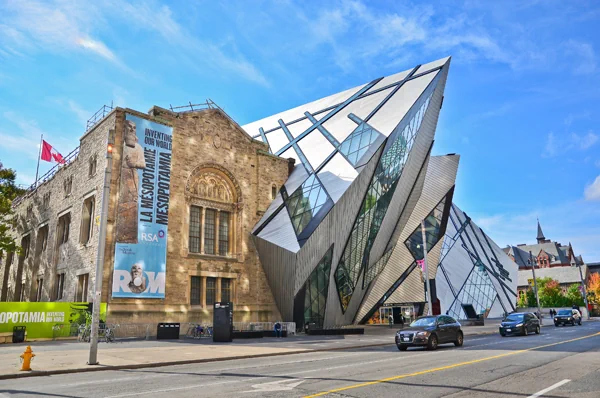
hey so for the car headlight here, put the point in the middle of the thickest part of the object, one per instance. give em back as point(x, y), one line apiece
point(423, 334)
point(569, 319)
point(519, 325)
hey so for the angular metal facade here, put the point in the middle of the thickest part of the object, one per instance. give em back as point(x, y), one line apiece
point(354, 196)
point(475, 271)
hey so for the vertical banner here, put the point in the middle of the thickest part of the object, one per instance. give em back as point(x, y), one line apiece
point(143, 210)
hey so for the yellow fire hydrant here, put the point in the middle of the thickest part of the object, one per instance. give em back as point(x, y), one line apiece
point(26, 358)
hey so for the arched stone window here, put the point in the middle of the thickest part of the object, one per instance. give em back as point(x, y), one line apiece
point(214, 200)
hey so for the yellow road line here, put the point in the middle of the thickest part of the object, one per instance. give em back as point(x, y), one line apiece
point(456, 365)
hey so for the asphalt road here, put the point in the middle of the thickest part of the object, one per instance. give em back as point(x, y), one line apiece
point(564, 361)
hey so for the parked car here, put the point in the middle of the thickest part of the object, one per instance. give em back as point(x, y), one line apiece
point(520, 323)
point(567, 316)
point(430, 331)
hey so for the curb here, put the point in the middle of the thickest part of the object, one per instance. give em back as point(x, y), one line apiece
point(193, 361)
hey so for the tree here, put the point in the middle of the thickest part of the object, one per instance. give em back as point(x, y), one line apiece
point(574, 296)
point(593, 288)
point(8, 192)
point(550, 292)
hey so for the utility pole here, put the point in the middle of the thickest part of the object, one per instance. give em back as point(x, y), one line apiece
point(93, 358)
point(585, 300)
point(425, 269)
point(537, 297)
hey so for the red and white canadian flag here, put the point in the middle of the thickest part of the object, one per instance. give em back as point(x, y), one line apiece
point(50, 154)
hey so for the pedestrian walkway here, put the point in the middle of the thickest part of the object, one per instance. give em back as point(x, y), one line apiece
point(71, 356)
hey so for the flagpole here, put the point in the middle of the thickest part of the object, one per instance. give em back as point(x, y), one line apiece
point(39, 156)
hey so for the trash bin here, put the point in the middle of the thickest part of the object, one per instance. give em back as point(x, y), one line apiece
point(167, 331)
point(18, 334)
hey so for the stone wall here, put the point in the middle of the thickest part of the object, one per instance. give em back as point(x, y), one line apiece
point(201, 139)
point(72, 258)
point(205, 139)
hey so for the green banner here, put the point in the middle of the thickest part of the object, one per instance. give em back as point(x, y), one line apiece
point(47, 320)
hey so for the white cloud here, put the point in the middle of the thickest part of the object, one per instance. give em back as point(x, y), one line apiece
point(60, 26)
point(579, 142)
point(584, 56)
point(585, 141)
point(592, 191)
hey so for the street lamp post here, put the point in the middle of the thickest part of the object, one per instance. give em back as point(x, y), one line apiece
point(585, 300)
point(537, 297)
point(93, 356)
point(425, 269)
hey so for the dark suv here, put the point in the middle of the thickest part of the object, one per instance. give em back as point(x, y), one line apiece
point(430, 331)
point(521, 323)
point(567, 316)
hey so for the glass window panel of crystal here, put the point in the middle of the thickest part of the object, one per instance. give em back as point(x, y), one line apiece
point(316, 291)
point(209, 231)
point(195, 286)
point(357, 143)
point(225, 290)
point(316, 148)
point(211, 291)
point(223, 233)
point(195, 220)
point(305, 202)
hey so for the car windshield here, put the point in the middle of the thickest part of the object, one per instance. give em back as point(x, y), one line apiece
point(564, 312)
point(515, 317)
point(427, 321)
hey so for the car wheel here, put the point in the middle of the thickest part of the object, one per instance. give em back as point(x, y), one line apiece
point(402, 347)
point(503, 334)
point(524, 331)
point(556, 324)
point(432, 344)
point(459, 339)
point(537, 329)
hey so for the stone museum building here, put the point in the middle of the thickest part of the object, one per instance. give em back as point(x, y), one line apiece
point(313, 215)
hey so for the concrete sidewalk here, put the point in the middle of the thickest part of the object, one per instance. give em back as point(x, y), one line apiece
point(56, 357)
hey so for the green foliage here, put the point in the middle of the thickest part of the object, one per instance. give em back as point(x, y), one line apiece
point(551, 295)
point(8, 192)
point(574, 296)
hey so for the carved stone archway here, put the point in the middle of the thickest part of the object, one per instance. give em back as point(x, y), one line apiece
point(211, 186)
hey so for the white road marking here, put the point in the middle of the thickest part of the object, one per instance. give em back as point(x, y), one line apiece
point(278, 385)
point(552, 387)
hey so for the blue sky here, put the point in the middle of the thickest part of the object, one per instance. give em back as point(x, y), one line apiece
point(521, 103)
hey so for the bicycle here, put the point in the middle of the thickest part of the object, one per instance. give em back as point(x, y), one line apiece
point(83, 334)
point(109, 333)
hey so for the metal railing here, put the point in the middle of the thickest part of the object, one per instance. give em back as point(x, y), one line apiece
point(99, 115)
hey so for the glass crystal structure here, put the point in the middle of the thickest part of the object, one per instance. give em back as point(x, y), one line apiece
point(317, 286)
